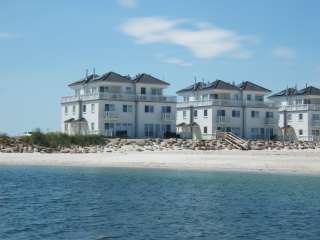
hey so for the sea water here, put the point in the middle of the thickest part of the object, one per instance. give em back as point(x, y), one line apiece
point(97, 203)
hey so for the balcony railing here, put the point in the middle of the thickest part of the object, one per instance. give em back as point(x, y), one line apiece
point(111, 116)
point(300, 107)
point(315, 122)
point(270, 121)
point(226, 103)
point(222, 119)
point(119, 96)
point(168, 117)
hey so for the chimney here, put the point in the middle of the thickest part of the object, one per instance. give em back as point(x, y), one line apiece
point(94, 73)
point(86, 74)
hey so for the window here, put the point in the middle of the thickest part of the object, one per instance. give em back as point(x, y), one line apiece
point(316, 132)
point(315, 117)
point(166, 109)
point(66, 127)
point(127, 108)
point(84, 109)
point(195, 113)
point(255, 114)
point(205, 97)
point(128, 89)
point(205, 113)
point(186, 99)
point(259, 98)
point(92, 126)
point(148, 130)
point(249, 97)
point(143, 91)
point(104, 89)
point(184, 114)
point(235, 113)
point(148, 109)
point(299, 101)
point(221, 113)
point(214, 96)
point(300, 132)
point(66, 110)
point(205, 129)
point(93, 108)
point(269, 114)
point(156, 91)
point(262, 132)
point(109, 107)
point(300, 116)
point(254, 132)
point(73, 109)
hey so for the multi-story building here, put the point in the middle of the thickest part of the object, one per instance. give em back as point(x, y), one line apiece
point(299, 113)
point(116, 105)
point(209, 108)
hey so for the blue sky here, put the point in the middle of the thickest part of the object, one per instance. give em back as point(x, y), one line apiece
point(44, 45)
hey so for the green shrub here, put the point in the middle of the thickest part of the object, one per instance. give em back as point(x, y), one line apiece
point(55, 140)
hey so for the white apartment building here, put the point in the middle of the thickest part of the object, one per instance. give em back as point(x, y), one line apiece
point(116, 105)
point(299, 113)
point(209, 108)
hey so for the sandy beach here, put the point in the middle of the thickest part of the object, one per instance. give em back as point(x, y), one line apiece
point(291, 162)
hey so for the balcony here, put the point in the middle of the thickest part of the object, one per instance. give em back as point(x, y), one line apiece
point(168, 117)
point(215, 102)
point(315, 123)
point(119, 97)
point(156, 98)
point(300, 107)
point(111, 116)
point(222, 119)
point(226, 103)
point(270, 121)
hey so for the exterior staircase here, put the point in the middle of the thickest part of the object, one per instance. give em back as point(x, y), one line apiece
point(236, 141)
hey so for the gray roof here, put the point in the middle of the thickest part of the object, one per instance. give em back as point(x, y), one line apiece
point(85, 80)
point(146, 78)
point(294, 92)
point(249, 86)
point(285, 93)
point(309, 91)
point(107, 77)
point(218, 84)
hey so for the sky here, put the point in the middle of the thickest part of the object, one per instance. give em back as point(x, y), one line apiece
point(45, 45)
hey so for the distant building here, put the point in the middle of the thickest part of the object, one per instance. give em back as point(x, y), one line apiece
point(209, 108)
point(299, 113)
point(115, 105)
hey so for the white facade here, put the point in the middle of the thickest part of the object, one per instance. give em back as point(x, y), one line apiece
point(299, 113)
point(219, 106)
point(114, 105)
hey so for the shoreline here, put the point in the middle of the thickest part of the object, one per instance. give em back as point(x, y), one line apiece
point(264, 161)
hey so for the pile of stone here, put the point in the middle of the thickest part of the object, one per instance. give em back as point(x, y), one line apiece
point(140, 145)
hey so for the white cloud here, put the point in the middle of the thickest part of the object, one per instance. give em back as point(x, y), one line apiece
point(128, 3)
point(243, 55)
point(202, 39)
point(179, 62)
point(284, 53)
point(6, 35)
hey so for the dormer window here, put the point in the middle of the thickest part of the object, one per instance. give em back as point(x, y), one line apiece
point(249, 97)
point(143, 91)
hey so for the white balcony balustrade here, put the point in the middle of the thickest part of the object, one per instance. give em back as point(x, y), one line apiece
point(300, 107)
point(222, 119)
point(111, 116)
point(168, 117)
point(119, 96)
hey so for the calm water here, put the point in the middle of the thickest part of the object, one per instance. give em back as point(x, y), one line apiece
point(76, 203)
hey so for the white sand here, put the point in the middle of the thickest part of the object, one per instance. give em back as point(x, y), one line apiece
point(299, 162)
